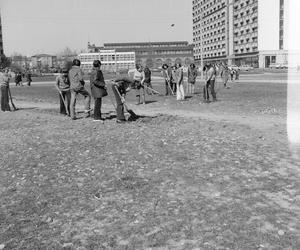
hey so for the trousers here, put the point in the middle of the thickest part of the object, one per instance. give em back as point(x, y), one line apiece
point(4, 99)
point(87, 100)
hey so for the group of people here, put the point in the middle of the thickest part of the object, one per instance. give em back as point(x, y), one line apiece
point(19, 80)
point(174, 80)
point(70, 83)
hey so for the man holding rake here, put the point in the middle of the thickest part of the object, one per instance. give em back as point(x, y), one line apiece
point(63, 87)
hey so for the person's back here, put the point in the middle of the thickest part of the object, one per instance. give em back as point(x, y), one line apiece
point(76, 77)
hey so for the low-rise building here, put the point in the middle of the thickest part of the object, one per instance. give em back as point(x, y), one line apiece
point(153, 54)
point(111, 60)
point(43, 61)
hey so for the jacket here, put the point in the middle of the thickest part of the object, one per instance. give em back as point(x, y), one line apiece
point(97, 83)
point(178, 76)
point(4, 79)
point(192, 75)
point(62, 82)
point(124, 84)
point(76, 78)
point(167, 73)
point(211, 74)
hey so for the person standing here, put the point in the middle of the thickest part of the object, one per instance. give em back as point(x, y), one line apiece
point(139, 79)
point(63, 86)
point(4, 85)
point(18, 79)
point(77, 87)
point(98, 89)
point(28, 78)
point(179, 82)
point(192, 75)
point(225, 74)
point(173, 83)
point(167, 75)
point(147, 81)
point(237, 74)
point(120, 87)
point(210, 83)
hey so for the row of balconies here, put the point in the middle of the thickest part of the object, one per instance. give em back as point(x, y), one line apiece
point(242, 5)
point(244, 18)
point(245, 35)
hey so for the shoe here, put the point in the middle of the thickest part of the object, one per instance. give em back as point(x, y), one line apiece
point(87, 110)
point(215, 100)
point(74, 118)
point(99, 120)
point(120, 121)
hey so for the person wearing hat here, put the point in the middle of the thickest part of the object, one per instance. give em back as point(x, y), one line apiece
point(4, 85)
point(120, 87)
point(98, 89)
point(62, 84)
point(77, 87)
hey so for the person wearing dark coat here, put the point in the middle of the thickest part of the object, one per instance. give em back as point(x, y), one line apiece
point(98, 89)
point(120, 87)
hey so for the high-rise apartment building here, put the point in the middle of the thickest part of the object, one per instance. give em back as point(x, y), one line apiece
point(242, 32)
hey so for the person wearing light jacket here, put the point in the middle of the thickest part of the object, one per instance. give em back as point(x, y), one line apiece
point(4, 85)
point(77, 87)
point(179, 82)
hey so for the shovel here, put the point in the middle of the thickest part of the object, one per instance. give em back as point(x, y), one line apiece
point(130, 111)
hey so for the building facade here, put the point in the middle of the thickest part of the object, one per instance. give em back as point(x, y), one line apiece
point(153, 54)
point(111, 60)
point(41, 61)
point(241, 32)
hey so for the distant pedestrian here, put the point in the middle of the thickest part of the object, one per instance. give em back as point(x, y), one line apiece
point(167, 75)
point(28, 78)
point(192, 75)
point(77, 87)
point(210, 83)
point(18, 79)
point(232, 73)
point(179, 82)
point(237, 74)
point(147, 81)
point(225, 74)
point(139, 78)
point(98, 89)
point(63, 86)
point(4, 85)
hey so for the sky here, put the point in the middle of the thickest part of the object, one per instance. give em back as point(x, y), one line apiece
point(48, 26)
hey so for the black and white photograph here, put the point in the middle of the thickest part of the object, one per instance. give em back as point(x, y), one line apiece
point(150, 125)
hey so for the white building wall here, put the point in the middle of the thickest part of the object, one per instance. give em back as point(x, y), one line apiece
point(268, 25)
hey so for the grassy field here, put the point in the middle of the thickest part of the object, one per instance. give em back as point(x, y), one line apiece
point(186, 175)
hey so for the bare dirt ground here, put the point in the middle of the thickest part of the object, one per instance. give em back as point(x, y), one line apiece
point(186, 175)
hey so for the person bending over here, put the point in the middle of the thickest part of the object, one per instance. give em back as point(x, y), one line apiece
point(120, 87)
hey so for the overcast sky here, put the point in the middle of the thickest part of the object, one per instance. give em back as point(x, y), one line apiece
point(48, 26)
